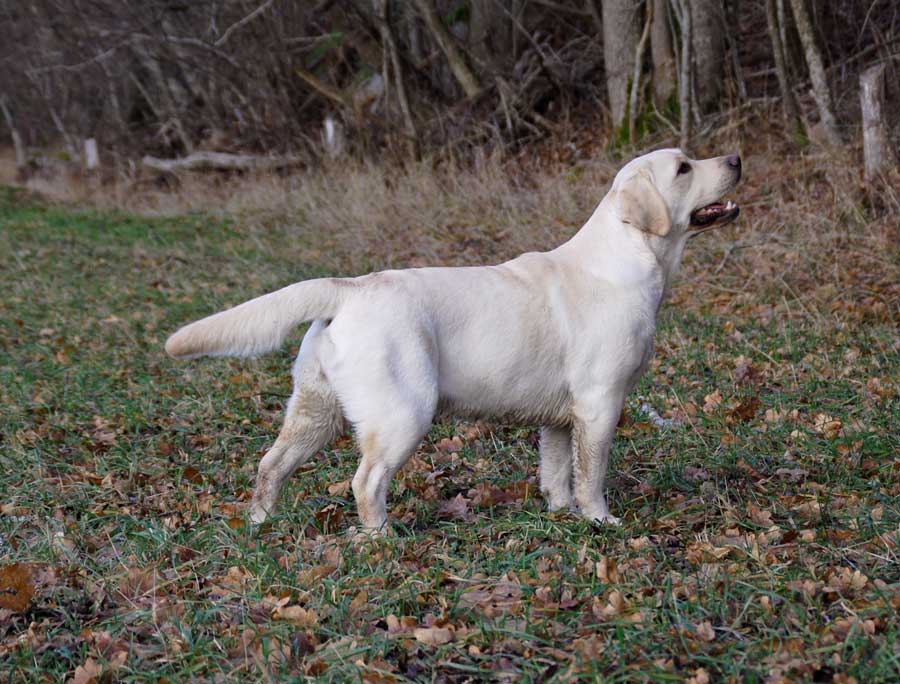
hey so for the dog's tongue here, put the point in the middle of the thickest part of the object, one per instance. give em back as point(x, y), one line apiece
point(714, 212)
point(710, 211)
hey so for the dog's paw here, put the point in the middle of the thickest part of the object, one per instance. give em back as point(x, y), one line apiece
point(360, 536)
point(558, 503)
point(601, 517)
point(606, 520)
point(258, 514)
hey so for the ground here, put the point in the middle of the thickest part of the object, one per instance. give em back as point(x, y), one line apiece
point(760, 520)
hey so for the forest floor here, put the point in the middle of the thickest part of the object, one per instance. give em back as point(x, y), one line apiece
point(760, 527)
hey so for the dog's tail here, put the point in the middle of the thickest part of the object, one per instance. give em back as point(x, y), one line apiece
point(260, 325)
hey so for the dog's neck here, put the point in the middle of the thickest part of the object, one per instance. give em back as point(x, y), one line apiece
point(613, 251)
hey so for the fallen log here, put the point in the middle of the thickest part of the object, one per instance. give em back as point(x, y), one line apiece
point(219, 161)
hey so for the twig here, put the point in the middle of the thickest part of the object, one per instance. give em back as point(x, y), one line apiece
point(323, 88)
point(250, 17)
point(636, 80)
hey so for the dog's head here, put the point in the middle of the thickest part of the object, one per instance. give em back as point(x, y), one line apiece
point(666, 194)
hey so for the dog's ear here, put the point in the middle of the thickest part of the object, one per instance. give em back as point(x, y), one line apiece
point(641, 205)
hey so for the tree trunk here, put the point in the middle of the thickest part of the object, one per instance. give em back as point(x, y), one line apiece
point(620, 36)
point(461, 69)
point(788, 100)
point(389, 45)
point(633, 99)
point(821, 91)
point(663, 56)
point(682, 9)
point(877, 151)
point(490, 32)
point(18, 145)
point(708, 24)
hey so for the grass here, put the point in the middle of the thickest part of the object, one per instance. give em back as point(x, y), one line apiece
point(760, 536)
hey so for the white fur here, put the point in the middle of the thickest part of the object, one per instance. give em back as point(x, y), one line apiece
point(556, 338)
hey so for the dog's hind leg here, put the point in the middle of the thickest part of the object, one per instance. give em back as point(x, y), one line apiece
point(313, 418)
point(385, 447)
point(556, 466)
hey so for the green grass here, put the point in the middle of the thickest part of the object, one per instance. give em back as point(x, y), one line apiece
point(755, 546)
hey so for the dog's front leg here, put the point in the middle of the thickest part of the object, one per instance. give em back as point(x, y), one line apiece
point(556, 467)
point(592, 436)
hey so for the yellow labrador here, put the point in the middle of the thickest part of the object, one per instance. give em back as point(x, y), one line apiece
point(557, 338)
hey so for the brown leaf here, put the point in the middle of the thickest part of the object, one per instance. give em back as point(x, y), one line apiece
point(607, 570)
point(746, 410)
point(192, 475)
point(745, 371)
point(705, 631)
point(139, 582)
point(297, 615)
point(88, 673)
point(330, 518)
point(827, 426)
point(339, 488)
point(457, 507)
point(492, 600)
point(763, 518)
point(359, 602)
point(433, 636)
point(810, 511)
point(310, 576)
point(16, 587)
point(711, 401)
point(700, 676)
point(615, 605)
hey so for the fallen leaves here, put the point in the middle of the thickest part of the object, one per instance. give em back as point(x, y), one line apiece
point(827, 426)
point(712, 401)
point(493, 599)
point(16, 586)
point(433, 636)
point(297, 616)
point(705, 631)
point(457, 507)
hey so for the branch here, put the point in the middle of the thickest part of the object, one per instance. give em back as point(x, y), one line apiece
point(461, 70)
point(636, 80)
point(218, 161)
point(323, 88)
point(246, 20)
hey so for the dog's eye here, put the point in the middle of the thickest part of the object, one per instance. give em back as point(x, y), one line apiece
point(684, 168)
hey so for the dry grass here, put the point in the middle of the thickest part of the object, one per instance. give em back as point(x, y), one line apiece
point(812, 241)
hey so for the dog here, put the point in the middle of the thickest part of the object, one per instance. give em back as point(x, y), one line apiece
point(556, 338)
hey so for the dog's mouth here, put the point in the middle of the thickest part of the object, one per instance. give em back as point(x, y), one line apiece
point(714, 215)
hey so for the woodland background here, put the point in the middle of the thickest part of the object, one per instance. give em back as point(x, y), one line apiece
point(169, 77)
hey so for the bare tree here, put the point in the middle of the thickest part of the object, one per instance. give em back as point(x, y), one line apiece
point(664, 79)
point(878, 153)
point(682, 11)
point(18, 145)
point(491, 31)
point(620, 36)
point(708, 45)
point(821, 90)
point(390, 48)
point(462, 71)
point(788, 99)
